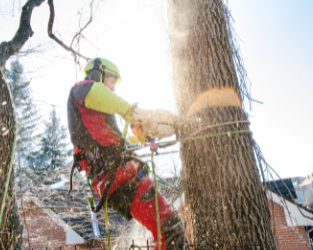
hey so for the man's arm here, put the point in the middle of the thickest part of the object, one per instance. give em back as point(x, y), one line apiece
point(100, 98)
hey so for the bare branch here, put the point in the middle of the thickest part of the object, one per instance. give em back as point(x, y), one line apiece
point(79, 33)
point(52, 36)
point(40, 48)
point(24, 31)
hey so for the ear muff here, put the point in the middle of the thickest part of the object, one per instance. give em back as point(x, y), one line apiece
point(97, 64)
point(95, 75)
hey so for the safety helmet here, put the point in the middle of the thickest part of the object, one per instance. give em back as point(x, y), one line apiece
point(104, 66)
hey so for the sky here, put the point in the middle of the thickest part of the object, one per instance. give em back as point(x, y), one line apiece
point(275, 40)
point(276, 44)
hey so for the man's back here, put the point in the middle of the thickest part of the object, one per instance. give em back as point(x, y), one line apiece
point(89, 127)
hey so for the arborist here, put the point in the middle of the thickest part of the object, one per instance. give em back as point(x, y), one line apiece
point(98, 146)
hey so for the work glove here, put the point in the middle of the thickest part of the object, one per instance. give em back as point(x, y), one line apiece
point(137, 139)
point(139, 134)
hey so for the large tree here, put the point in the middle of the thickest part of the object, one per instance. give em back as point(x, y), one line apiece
point(10, 228)
point(11, 231)
point(220, 175)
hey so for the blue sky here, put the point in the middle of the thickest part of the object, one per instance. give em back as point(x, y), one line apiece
point(275, 39)
point(276, 44)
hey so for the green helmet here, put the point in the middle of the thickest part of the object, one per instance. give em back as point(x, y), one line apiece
point(104, 66)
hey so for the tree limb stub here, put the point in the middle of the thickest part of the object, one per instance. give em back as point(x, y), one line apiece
point(24, 31)
point(213, 97)
point(52, 36)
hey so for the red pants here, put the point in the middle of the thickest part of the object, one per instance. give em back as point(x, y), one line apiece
point(141, 205)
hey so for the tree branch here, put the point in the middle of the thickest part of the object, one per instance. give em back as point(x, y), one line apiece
point(52, 36)
point(79, 33)
point(24, 31)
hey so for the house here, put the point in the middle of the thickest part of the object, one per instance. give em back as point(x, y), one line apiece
point(301, 194)
point(307, 183)
point(69, 224)
point(53, 219)
point(304, 190)
point(42, 228)
point(283, 188)
point(68, 227)
point(291, 223)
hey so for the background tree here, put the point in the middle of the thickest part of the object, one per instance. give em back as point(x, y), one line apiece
point(220, 175)
point(52, 158)
point(26, 115)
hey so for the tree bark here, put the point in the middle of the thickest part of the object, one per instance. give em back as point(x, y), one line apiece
point(220, 177)
point(11, 229)
point(24, 31)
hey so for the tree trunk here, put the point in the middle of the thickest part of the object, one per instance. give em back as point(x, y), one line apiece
point(220, 177)
point(11, 230)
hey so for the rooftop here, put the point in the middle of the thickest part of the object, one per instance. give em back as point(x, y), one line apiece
point(79, 217)
point(307, 181)
point(283, 188)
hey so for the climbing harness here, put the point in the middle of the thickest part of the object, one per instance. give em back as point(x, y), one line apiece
point(99, 161)
point(106, 160)
point(116, 162)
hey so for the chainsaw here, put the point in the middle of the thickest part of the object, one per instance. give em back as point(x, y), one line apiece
point(152, 124)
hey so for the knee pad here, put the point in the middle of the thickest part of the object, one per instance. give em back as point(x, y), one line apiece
point(148, 195)
point(122, 198)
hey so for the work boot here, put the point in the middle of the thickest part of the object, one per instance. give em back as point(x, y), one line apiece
point(174, 233)
point(143, 210)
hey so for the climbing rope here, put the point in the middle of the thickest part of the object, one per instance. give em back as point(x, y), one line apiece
point(221, 124)
point(229, 133)
point(156, 200)
point(10, 167)
point(106, 219)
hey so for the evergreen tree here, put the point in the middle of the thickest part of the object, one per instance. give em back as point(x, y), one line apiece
point(26, 114)
point(53, 148)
